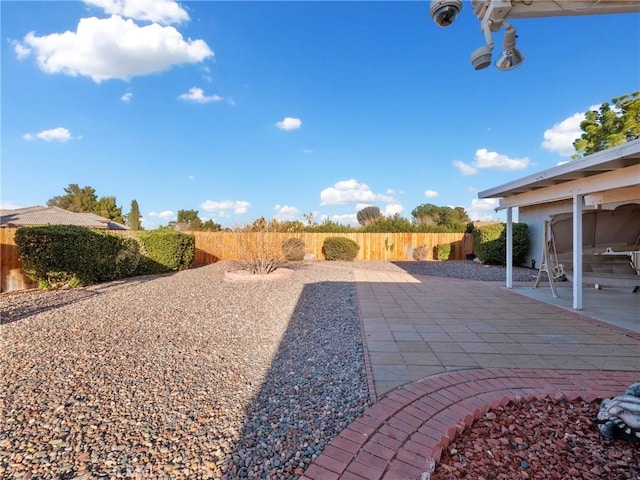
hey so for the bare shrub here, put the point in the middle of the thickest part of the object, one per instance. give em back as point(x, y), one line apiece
point(258, 249)
point(421, 253)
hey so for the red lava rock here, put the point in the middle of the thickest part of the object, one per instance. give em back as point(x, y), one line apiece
point(558, 439)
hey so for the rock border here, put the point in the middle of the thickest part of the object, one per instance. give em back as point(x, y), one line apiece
point(244, 276)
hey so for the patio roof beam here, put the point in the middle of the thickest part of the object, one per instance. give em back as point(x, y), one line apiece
point(624, 177)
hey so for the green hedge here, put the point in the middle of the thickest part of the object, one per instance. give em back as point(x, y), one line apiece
point(55, 255)
point(340, 248)
point(165, 251)
point(444, 251)
point(490, 243)
point(58, 255)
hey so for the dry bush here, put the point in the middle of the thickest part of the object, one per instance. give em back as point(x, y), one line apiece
point(258, 249)
point(421, 253)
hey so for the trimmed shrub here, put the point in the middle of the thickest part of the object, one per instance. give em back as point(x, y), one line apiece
point(490, 243)
point(340, 248)
point(165, 251)
point(58, 255)
point(293, 249)
point(444, 251)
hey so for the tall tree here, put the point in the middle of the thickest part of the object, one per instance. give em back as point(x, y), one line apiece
point(611, 125)
point(426, 214)
point(430, 214)
point(211, 226)
point(368, 215)
point(76, 199)
point(134, 220)
point(106, 207)
point(190, 219)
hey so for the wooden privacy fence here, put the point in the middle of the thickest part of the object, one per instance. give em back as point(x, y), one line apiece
point(10, 265)
point(215, 246)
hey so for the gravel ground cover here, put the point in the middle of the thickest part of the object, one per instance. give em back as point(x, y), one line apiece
point(179, 376)
point(186, 375)
point(542, 439)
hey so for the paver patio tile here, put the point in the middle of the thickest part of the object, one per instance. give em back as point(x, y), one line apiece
point(386, 358)
point(406, 336)
point(420, 358)
point(379, 336)
point(495, 337)
point(413, 346)
point(382, 346)
point(477, 347)
point(401, 325)
point(418, 372)
point(447, 347)
point(456, 360)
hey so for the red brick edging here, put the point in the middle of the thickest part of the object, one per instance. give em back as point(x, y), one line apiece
point(396, 437)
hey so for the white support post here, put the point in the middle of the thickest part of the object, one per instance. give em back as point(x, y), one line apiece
point(577, 251)
point(509, 247)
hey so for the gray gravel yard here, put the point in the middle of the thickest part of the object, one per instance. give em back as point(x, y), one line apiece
point(186, 375)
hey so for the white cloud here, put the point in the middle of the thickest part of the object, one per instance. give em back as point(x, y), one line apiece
point(126, 97)
point(164, 214)
point(286, 212)
point(220, 208)
point(485, 159)
point(347, 191)
point(393, 209)
point(197, 95)
point(109, 48)
point(191, 177)
point(483, 209)
point(465, 168)
point(59, 134)
point(289, 123)
point(346, 219)
point(561, 136)
point(307, 150)
point(430, 193)
point(22, 51)
point(165, 12)
point(360, 206)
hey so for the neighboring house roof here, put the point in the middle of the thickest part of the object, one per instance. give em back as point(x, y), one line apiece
point(40, 215)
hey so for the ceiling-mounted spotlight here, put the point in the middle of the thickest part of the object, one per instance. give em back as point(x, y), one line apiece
point(511, 57)
point(481, 57)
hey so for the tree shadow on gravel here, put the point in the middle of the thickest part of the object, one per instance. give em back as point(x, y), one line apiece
point(315, 387)
point(20, 305)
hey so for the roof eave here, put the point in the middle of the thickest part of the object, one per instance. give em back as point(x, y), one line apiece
point(586, 163)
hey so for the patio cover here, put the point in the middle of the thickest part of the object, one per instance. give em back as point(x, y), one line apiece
point(609, 176)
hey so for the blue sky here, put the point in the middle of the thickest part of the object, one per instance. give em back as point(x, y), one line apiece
point(276, 109)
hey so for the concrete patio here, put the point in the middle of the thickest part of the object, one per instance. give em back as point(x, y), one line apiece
point(417, 326)
point(440, 352)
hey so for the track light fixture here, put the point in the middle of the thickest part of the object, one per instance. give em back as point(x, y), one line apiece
point(511, 57)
